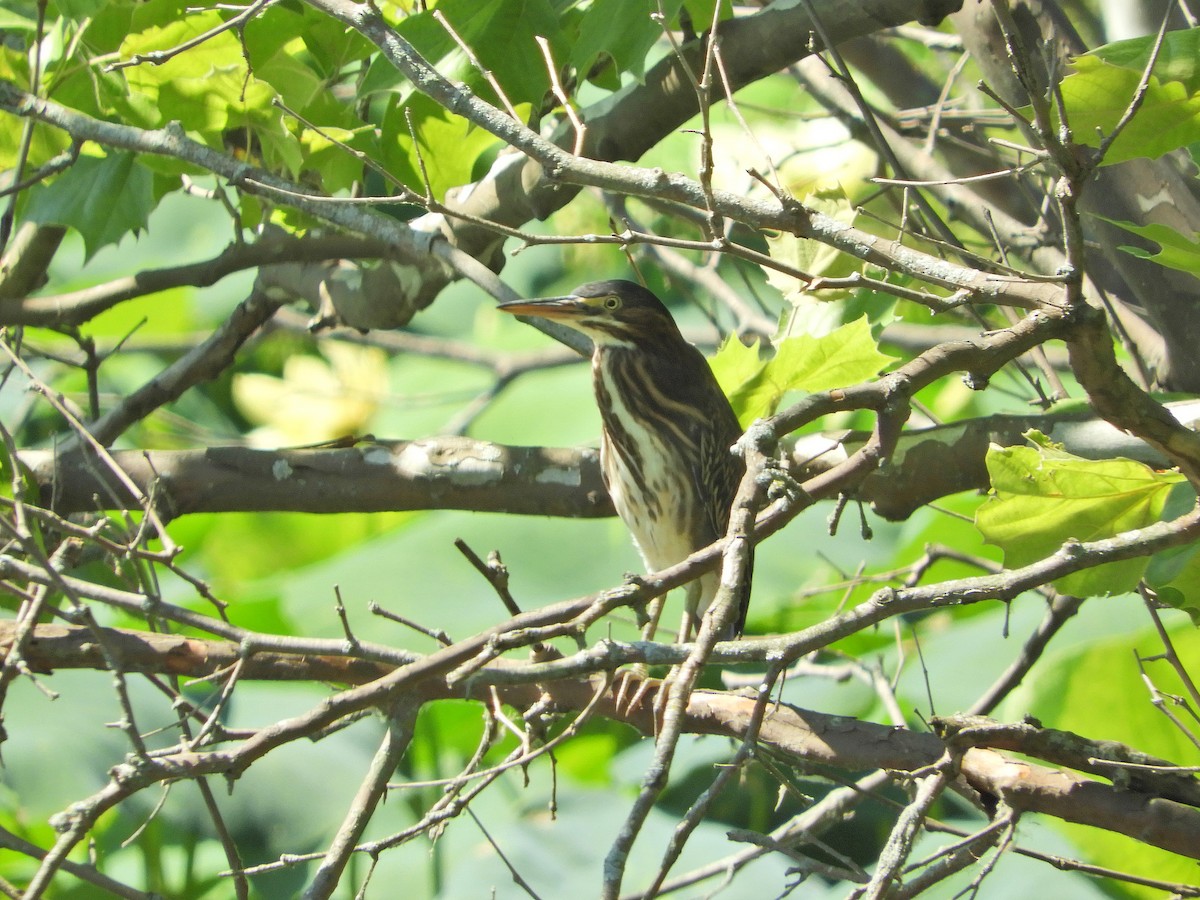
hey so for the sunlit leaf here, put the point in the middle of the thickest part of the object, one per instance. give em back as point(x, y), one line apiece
point(10, 21)
point(813, 257)
point(1043, 497)
point(446, 147)
point(1178, 58)
point(1175, 573)
point(1105, 81)
point(842, 357)
point(208, 89)
point(701, 12)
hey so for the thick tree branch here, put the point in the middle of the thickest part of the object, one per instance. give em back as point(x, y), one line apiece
point(438, 473)
point(462, 473)
point(803, 736)
point(76, 307)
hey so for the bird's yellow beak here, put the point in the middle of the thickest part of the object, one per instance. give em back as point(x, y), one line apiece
point(547, 308)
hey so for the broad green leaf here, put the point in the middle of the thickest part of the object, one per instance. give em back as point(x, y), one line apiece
point(103, 199)
point(338, 169)
point(702, 12)
point(1177, 251)
point(10, 21)
point(1096, 689)
point(110, 26)
point(206, 88)
point(1175, 573)
point(330, 45)
point(156, 14)
point(1178, 58)
point(14, 66)
point(1104, 82)
point(79, 9)
point(1043, 496)
point(501, 34)
point(813, 257)
point(317, 149)
point(1181, 591)
point(809, 256)
point(286, 541)
point(589, 757)
point(46, 142)
point(448, 730)
point(297, 85)
point(446, 149)
point(736, 364)
point(844, 356)
point(622, 30)
point(436, 47)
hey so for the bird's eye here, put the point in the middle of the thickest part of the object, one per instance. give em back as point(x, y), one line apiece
point(611, 302)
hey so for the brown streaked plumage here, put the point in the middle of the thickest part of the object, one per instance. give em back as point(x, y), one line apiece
point(667, 428)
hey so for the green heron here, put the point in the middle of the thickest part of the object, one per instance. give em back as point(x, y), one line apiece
point(667, 429)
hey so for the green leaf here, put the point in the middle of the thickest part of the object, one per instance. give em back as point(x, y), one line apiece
point(1178, 58)
point(1044, 497)
point(297, 84)
point(46, 142)
point(1177, 251)
point(755, 388)
point(79, 9)
point(10, 21)
point(702, 12)
point(447, 146)
point(207, 88)
point(1175, 573)
point(1097, 95)
point(102, 198)
point(842, 357)
point(735, 364)
point(1096, 690)
point(622, 30)
point(588, 758)
point(338, 169)
point(1182, 592)
point(813, 257)
point(106, 29)
point(501, 34)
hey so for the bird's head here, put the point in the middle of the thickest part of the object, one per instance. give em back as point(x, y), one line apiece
point(612, 313)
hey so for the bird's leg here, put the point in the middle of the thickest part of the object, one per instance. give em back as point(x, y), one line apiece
point(688, 629)
point(654, 610)
point(690, 625)
point(640, 671)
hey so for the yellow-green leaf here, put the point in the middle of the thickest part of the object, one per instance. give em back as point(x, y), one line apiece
point(1104, 82)
point(755, 387)
point(1043, 497)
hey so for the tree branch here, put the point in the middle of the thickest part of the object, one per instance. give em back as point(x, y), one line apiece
point(801, 735)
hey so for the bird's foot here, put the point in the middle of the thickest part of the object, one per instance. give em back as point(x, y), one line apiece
point(664, 693)
point(631, 687)
point(778, 482)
